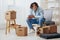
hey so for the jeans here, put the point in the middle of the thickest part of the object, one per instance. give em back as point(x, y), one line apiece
point(35, 21)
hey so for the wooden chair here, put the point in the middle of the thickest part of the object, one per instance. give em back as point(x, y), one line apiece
point(10, 20)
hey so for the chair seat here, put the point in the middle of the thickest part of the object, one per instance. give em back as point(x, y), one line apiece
point(46, 23)
point(35, 25)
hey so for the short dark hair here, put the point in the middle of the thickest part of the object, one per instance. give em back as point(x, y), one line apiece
point(32, 5)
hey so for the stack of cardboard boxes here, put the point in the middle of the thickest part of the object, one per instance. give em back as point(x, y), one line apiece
point(20, 30)
point(47, 29)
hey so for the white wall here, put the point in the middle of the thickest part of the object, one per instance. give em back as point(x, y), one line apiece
point(21, 7)
point(3, 8)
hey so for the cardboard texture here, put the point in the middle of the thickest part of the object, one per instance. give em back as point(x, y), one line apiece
point(44, 30)
point(53, 29)
point(10, 15)
point(21, 31)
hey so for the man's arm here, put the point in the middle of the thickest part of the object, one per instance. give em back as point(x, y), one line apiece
point(41, 13)
point(31, 15)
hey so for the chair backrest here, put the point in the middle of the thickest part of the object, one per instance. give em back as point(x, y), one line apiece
point(48, 14)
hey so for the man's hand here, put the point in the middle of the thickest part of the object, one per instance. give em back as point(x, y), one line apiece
point(31, 16)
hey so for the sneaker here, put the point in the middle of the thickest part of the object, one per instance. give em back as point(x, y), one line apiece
point(31, 31)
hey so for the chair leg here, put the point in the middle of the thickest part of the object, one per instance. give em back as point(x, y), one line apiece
point(6, 29)
point(6, 26)
point(9, 27)
point(14, 24)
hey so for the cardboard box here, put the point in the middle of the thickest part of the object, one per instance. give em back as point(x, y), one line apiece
point(53, 29)
point(10, 15)
point(21, 31)
point(47, 29)
point(43, 30)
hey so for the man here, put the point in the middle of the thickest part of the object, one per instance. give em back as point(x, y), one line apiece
point(36, 16)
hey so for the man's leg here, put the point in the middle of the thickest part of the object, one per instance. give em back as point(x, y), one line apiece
point(41, 21)
point(30, 22)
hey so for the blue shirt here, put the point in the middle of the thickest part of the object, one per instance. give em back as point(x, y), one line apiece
point(38, 13)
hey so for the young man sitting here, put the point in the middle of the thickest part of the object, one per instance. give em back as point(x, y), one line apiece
point(36, 16)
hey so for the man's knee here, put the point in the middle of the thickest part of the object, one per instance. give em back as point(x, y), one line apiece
point(43, 19)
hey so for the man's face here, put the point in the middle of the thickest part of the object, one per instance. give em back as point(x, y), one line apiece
point(34, 7)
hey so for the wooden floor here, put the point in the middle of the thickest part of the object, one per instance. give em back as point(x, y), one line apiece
point(12, 36)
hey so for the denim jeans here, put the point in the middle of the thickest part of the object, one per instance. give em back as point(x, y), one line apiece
point(35, 21)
